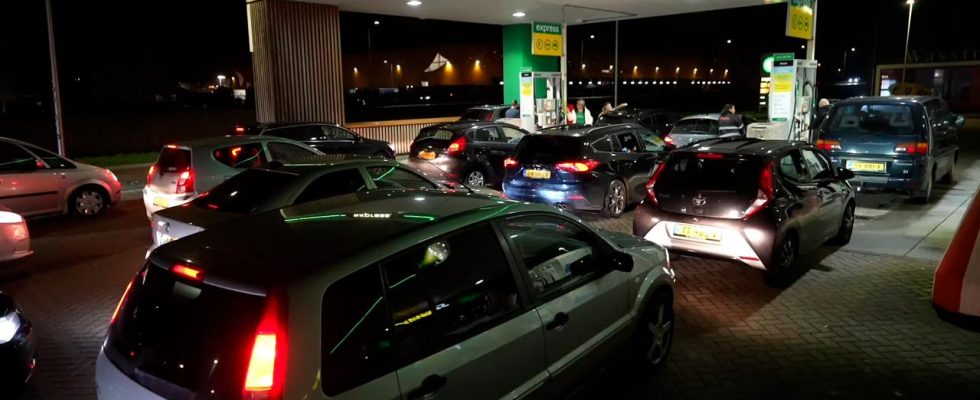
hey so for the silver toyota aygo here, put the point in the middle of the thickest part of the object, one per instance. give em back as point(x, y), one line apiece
point(388, 295)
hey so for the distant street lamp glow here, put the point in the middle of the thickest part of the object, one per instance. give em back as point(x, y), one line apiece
point(376, 22)
point(729, 41)
point(222, 77)
point(519, 14)
point(591, 36)
point(414, 3)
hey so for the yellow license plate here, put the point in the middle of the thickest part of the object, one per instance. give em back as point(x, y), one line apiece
point(867, 166)
point(537, 173)
point(161, 202)
point(697, 233)
point(427, 155)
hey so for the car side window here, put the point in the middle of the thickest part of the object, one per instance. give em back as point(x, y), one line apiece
point(817, 166)
point(394, 177)
point(628, 143)
point(485, 134)
point(335, 133)
point(651, 141)
point(333, 184)
point(512, 135)
point(54, 161)
point(355, 340)
point(447, 290)
point(287, 151)
point(298, 133)
point(15, 159)
point(248, 155)
point(647, 121)
point(605, 144)
point(556, 253)
point(793, 166)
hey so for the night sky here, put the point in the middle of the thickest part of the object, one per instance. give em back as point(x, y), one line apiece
point(126, 50)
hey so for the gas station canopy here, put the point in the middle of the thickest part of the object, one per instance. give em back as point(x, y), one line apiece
point(501, 12)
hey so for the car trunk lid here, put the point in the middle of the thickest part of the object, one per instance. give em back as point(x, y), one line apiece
point(173, 162)
point(552, 159)
point(709, 184)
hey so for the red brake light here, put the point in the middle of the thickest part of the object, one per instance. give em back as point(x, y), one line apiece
point(150, 173)
point(653, 182)
point(510, 162)
point(188, 272)
point(913, 148)
point(711, 156)
point(767, 191)
point(171, 146)
point(668, 139)
point(577, 166)
point(239, 129)
point(828, 144)
point(266, 373)
point(185, 182)
point(457, 145)
point(122, 300)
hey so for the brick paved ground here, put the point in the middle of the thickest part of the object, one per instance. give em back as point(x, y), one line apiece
point(854, 326)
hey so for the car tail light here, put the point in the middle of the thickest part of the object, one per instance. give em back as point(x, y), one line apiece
point(653, 182)
point(239, 129)
point(711, 156)
point(185, 182)
point(150, 173)
point(913, 148)
point(828, 144)
point(765, 194)
point(577, 166)
point(188, 272)
point(457, 146)
point(122, 300)
point(266, 373)
point(668, 139)
point(510, 162)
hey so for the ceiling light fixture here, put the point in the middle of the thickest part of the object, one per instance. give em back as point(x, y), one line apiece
point(519, 14)
point(414, 3)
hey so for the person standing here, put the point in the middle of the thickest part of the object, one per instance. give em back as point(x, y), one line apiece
point(823, 107)
point(580, 115)
point(729, 121)
point(514, 111)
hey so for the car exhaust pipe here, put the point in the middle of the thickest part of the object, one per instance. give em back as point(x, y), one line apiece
point(562, 206)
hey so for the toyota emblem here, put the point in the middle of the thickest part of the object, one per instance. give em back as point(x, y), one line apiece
point(699, 200)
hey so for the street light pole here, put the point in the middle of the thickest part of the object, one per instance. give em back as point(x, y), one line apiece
point(59, 127)
point(908, 32)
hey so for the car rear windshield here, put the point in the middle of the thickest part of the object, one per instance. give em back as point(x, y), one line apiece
point(550, 148)
point(614, 119)
point(874, 119)
point(696, 126)
point(173, 159)
point(435, 134)
point(690, 172)
point(475, 114)
point(181, 339)
point(245, 192)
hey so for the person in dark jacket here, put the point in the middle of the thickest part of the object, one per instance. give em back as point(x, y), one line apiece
point(729, 121)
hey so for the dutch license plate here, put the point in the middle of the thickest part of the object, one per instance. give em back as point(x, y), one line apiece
point(537, 173)
point(161, 202)
point(866, 166)
point(427, 155)
point(697, 233)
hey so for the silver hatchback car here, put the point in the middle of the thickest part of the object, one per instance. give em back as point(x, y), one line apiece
point(381, 295)
point(34, 181)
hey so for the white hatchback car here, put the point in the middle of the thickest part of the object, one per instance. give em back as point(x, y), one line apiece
point(34, 181)
point(186, 169)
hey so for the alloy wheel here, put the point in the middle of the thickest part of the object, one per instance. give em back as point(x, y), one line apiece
point(475, 178)
point(89, 202)
point(616, 198)
point(660, 328)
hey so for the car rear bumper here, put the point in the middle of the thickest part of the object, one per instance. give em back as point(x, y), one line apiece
point(15, 241)
point(111, 383)
point(573, 196)
point(749, 243)
point(902, 174)
point(155, 201)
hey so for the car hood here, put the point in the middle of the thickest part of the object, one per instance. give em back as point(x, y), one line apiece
point(625, 241)
point(196, 216)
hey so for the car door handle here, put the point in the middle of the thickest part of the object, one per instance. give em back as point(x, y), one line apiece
point(557, 323)
point(429, 389)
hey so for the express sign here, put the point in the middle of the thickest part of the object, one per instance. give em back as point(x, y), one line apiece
point(546, 39)
point(799, 19)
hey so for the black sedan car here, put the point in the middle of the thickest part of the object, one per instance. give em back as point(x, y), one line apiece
point(17, 349)
point(327, 137)
point(758, 202)
point(658, 121)
point(600, 168)
point(469, 152)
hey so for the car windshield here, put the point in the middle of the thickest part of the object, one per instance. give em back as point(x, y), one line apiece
point(173, 159)
point(550, 148)
point(874, 119)
point(245, 192)
point(696, 126)
point(476, 114)
point(687, 172)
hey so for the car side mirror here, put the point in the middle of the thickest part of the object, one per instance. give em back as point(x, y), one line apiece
point(620, 261)
point(845, 174)
point(959, 121)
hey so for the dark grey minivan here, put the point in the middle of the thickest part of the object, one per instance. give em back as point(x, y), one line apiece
point(902, 144)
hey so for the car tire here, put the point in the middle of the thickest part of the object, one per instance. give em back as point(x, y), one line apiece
point(614, 202)
point(843, 236)
point(925, 195)
point(655, 331)
point(783, 262)
point(88, 201)
point(475, 178)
